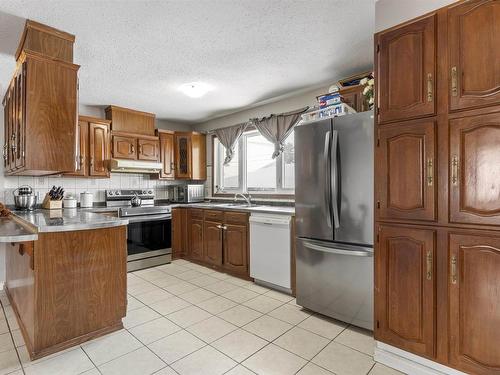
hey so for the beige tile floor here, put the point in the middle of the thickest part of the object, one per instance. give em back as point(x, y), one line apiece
point(187, 319)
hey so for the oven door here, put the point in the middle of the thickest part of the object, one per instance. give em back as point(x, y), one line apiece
point(149, 237)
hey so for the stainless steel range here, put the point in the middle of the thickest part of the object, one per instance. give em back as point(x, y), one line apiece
point(149, 237)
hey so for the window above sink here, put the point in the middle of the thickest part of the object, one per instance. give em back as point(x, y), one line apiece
point(252, 169)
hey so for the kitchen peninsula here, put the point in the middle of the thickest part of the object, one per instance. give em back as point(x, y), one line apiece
point(66, 276)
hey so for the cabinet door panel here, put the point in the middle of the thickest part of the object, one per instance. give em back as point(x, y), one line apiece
point(212, 242)
point(474, 308)
point(406, 288)
point(148, 149)
point(405, 171)
point(475, 170)
point(236, 248)
point(179, 232)
point(124, 147)
point(81, 150)
point(195, 237)
point(99, 149)
point(473, 40)
point(182, 156)
point(167, 155)
point(406, 71)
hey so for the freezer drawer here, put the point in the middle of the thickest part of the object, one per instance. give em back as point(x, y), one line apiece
point(336, 280)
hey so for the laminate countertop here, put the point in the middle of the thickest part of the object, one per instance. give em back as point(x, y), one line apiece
point(25, 225)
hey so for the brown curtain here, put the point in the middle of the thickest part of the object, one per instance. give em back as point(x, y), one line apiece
point(228, 137)
point(276, 128)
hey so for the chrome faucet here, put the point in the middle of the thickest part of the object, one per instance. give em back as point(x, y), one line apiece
point(248, 199)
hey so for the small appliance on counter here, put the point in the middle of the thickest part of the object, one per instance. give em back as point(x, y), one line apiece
point(189, 193)
point(24, 199)
point(86, 200)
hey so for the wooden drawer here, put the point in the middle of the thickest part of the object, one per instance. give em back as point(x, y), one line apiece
point(236, 217)
point(196, 213)
point(214, 215)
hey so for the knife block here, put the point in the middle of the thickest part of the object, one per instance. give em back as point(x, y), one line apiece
point(49, 204)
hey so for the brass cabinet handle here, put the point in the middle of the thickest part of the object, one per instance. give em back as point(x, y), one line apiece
point(430, 171)
point(140, 149)
point(454, 170)
point(224, 227)
point(429, 265)
point(454, 81)
point(91, 162)
point(132, 148)
point(429, 87)
point(5, 147)
point(81, 161)
point(453, 269)
point(219, 226)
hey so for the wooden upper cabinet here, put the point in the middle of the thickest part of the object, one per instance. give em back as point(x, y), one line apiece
point(167, 155)
point(353, 97)
point(212, 237)
point(131, 121)
point(190, 156)
point(475, 169)
point(124, 147)
point(236, 248)
point(41, 113)
point(474, 54)
point(183, 156)
point(474, 303)
point(406, 71)
point(148, 149)
point(46, 40)
point(99, 149)
point(93, 149)
point(405, 288)
point(406, 164)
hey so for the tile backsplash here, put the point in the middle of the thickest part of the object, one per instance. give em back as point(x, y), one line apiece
point(97, 186)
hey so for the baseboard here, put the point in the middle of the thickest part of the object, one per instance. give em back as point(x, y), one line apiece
point(410, 363)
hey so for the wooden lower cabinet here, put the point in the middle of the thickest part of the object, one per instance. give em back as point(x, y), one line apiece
point(179, 233)
point(67, 287)
point(212, 242)
point(405, 288)
point(195, 238)
point(215, 238)
point(474, 302)
point(236, 248)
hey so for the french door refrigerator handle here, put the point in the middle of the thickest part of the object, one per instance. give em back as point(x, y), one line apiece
point(335, 179)
point(327, 187)
point(331, 250)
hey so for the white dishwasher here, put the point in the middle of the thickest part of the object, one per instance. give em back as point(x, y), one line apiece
point(270, 242)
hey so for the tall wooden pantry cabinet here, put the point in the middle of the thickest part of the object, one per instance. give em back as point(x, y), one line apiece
point(437, 188)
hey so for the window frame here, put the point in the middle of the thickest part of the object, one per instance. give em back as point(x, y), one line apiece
point(279, 192)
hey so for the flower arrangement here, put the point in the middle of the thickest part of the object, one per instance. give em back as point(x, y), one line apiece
point(368, 91)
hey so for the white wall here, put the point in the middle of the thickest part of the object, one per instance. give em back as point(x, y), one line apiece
point(390, 13)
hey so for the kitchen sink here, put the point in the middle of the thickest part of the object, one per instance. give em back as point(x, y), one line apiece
point(240, 205)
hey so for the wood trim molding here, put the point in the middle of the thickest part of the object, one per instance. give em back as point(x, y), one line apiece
point(93, 119)
point(122, 109)
point(134, 135)
point(410, 363)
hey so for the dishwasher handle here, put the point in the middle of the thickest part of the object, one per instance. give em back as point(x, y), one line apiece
point(266, 220)
point(333, 250)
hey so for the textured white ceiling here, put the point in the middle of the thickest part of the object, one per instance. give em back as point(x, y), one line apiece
point(136, 53)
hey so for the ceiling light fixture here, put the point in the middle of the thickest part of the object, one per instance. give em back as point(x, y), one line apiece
point(195, 89)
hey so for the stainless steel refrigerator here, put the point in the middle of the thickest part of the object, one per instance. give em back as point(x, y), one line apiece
point(334, 217)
